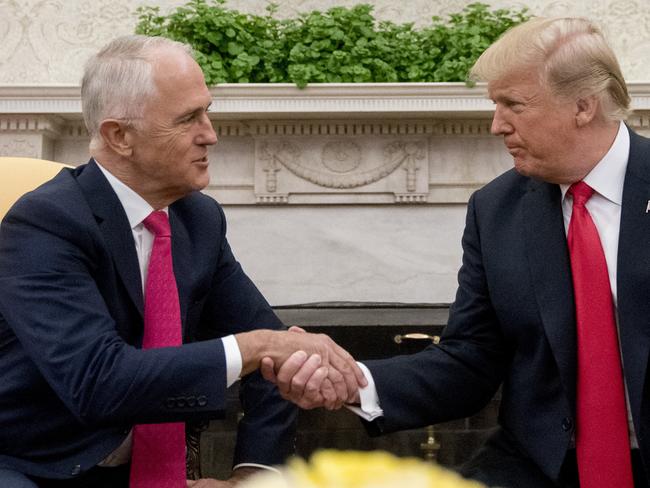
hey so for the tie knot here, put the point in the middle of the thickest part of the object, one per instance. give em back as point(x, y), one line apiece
point(158, 224)
point(581, 192)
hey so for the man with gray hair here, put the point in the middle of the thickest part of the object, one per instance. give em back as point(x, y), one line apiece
point(123, 312)
point(553, 300)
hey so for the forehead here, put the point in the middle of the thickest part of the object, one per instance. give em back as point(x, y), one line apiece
point(179, 81)
point(520, 83)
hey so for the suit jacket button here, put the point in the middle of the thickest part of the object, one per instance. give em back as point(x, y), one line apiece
point(191, 401)
point(170, 403)
point(202, 401)
point(75, 470)
point(567, 424)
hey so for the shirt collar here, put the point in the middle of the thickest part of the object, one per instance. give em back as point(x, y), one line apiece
point(607, 177)
point(137, 209)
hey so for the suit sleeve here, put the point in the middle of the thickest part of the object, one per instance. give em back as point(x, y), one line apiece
point(460, 375)
point(266, 433)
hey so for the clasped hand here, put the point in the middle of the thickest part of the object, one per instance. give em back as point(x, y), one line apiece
point(318, 374)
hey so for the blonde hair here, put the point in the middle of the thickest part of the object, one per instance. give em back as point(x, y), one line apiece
point(118, 80)
point(570, 55)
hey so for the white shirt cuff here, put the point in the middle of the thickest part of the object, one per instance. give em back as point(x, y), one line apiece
point(369, 409)
point(254, 465)
point(233, 359)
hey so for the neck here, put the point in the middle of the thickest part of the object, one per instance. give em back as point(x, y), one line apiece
point(121, 168)
point(592, 145)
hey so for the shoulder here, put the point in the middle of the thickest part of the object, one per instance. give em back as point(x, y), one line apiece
point(200, 215)
point(197, 205)
point(57, 203)
point(504, 189)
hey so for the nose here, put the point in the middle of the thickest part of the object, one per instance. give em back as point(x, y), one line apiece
point(499, 124)
point(207, 136)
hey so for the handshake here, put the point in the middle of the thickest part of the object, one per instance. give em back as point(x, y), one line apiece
point(310, 370)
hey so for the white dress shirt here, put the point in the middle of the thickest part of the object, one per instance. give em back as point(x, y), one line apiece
point(607, 179)
point(137, 209)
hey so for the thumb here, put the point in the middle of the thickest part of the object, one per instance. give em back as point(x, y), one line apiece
point(267, 368)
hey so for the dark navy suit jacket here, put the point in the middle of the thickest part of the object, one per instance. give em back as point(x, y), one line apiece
point(73, 379)
point(513, 321)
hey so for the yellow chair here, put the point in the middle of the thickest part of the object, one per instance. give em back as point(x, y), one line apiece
point(20, 175)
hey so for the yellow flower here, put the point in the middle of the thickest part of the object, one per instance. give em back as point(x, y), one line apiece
point(352, 469)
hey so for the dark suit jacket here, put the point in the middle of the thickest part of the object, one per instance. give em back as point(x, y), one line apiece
point(513, 321)
point(73, 379)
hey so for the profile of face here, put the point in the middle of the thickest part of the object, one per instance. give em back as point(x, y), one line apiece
point(539, 130)
point(170, 145)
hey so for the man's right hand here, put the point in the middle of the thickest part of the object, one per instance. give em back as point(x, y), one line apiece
point(303, 381)
point(326, 366)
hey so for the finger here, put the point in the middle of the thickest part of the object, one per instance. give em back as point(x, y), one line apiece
point(267, 368)
point(295, 328)
point(300, 378)
point(329, 394)
point(312, 397)
point(312, 394)
point(338, 385)
point(342, 361)
point(288, 370)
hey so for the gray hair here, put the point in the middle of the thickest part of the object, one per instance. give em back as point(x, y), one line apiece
point(118, 80)
point(571, 56)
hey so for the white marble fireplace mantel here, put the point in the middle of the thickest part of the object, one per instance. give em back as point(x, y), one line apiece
point(347, 192)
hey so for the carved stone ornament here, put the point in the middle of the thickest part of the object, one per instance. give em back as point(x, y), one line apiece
point(341, 165)
point(274, 157)
point(408, 153)
point(19, 147)
point(341, 156)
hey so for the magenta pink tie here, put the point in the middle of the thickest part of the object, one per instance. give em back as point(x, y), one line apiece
point(602, 438)
point(158, 458)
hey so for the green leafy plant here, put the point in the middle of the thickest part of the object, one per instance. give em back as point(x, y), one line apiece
point(339, 45)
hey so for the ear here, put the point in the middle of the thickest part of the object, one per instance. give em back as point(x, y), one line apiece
point(116, 135)
point(586, 110)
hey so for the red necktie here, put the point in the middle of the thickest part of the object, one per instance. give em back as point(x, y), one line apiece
point(602, 439)
point(158, 457)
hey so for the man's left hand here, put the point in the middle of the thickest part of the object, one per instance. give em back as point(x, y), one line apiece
point(237, 476)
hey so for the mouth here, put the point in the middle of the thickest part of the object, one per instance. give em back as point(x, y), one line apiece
point(202, 161)
point(512, 149)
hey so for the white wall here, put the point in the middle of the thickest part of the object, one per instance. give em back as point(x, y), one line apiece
point(47, 41)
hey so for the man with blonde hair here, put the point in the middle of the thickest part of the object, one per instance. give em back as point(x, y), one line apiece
point(553, 300)
point(123, 312)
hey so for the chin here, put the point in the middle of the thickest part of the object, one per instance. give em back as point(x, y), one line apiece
point(522, 168)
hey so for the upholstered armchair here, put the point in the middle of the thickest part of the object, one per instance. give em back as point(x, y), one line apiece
point(20, 175)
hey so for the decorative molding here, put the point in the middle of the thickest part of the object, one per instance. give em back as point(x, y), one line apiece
point(272, 199)
point(19, 145)
point(51, 125)
point(411, 197)
point(240, 102)
point(381, 152)
point(341, 170)
point(324, 172)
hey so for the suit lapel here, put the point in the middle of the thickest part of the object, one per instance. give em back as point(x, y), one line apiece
point(549, 264)
point(115, 228)
point(632, 272)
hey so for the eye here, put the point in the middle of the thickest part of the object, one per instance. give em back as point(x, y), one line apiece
point(514, 105)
